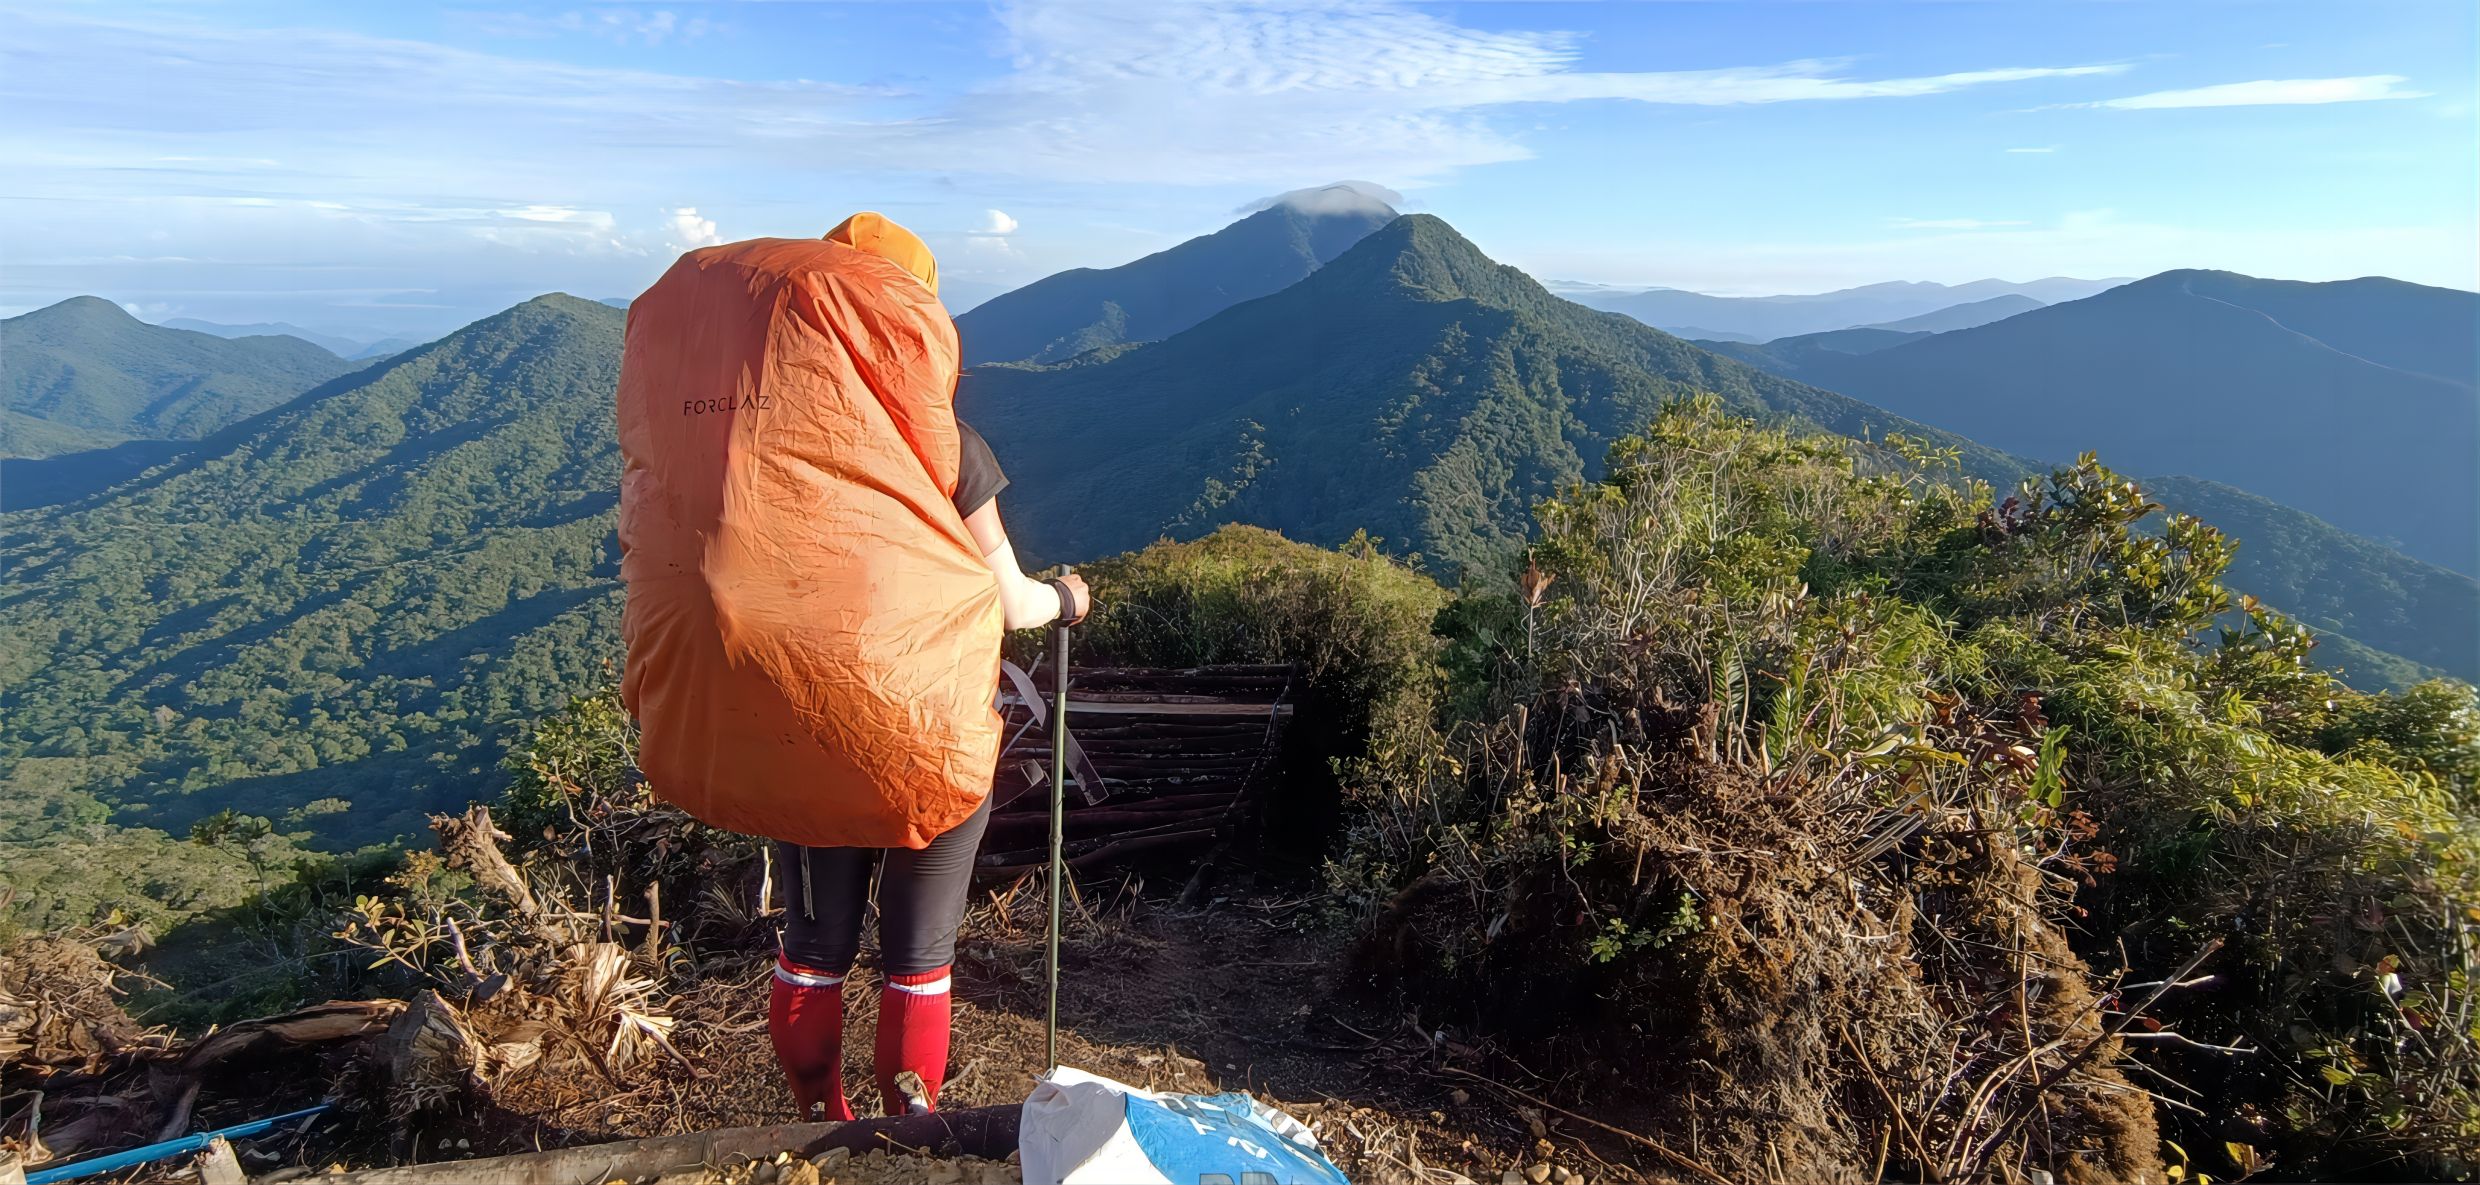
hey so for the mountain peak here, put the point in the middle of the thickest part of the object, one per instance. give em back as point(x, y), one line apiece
point(561, 302)
point(552, 314)
point(2180, 276)
point(85, 374)
point(1424, 258)
point(81, 310)
point(1338, 198)
point(1149, 299)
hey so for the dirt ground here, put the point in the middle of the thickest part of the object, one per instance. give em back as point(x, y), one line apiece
point(1240, 994)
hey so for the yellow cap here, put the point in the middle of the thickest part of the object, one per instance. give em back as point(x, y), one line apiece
point(876, 234)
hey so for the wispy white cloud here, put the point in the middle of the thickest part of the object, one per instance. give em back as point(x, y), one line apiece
point(433, 159)
point(623, 25)
point(1953, 223)
point(2271, 93)
point(2046, 148)
point(1793, 82)
point(1218, 92)
point(539, 213)
point(1236, 91)
point(996, 222)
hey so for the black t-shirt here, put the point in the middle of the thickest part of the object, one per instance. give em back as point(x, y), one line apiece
point(978, 479)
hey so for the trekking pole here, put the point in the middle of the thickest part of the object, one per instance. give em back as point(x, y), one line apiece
point(1059, 819)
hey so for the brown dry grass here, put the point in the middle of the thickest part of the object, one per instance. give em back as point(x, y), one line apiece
point(1859, 994)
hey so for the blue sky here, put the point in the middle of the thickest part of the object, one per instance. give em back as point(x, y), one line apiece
point(406, 167)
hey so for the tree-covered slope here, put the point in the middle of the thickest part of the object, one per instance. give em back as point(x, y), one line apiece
point(1963, 316)
point(2379, 608)
point(1790, 357)
point(2353, 401)
point(350, 597)
point(1769, 318)
point(342, 347)
point(84, 374)
point(1152, 298)
point(1412, 387)
point(1417, 390)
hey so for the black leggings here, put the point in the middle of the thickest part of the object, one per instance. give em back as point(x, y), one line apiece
point(921, 895)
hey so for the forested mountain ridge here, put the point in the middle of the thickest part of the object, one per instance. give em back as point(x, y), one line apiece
point(1412, 387)
point(2377, 607)
point(342, 347)
point(2354, 401)
point(1963, 316)
point(345, 601)
point(1067, 314)
point(1417, 390)
point(1791, 357)
point(1769, 318)
point(333, 614)
point(84, 374)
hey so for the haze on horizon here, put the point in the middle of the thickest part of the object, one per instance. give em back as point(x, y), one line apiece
point(409, 169)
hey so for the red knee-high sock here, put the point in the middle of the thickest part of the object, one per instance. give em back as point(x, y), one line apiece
point(805, 1016)
point(913, 1014)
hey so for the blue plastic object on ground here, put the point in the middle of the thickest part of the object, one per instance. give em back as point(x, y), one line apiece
point(112, 1162)
point(1085, 1129)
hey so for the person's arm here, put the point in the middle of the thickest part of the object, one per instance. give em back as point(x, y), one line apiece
point(1025, 601)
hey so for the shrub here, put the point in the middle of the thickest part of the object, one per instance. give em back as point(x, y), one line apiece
point(1816, 777)
point(1356, 622)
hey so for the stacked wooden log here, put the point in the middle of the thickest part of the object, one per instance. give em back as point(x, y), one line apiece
point(1180, 755)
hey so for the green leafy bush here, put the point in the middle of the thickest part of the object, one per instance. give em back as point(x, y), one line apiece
point(1782, 733)
point(1354, 621)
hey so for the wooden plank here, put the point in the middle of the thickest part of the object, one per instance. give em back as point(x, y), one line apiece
point(1173, 800)
point(1080, 707)
point(1206, 672)
point(1080, 823)
point(1116, 849)
point(1086, 695)
point(1250, 739)
point(1134, 765)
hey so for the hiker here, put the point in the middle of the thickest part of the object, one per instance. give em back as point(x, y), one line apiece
point(818, 576)
point(921, 893)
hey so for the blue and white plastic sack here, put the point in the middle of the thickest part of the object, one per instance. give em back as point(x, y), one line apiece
point(1084, 1129)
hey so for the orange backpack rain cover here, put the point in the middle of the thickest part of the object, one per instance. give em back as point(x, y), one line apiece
point(813, 638)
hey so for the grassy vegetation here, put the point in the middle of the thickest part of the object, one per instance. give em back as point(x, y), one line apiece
point(1772, 678)
point(1355, 621)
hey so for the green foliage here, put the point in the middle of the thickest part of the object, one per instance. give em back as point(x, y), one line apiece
point(83, 374)
point(1356, 618)
point(1836, 623)
point(2432, 727)
point(1355, 621)
point(351, 602)
point(587, 753)
point(2388, 621)
point(418, 917)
